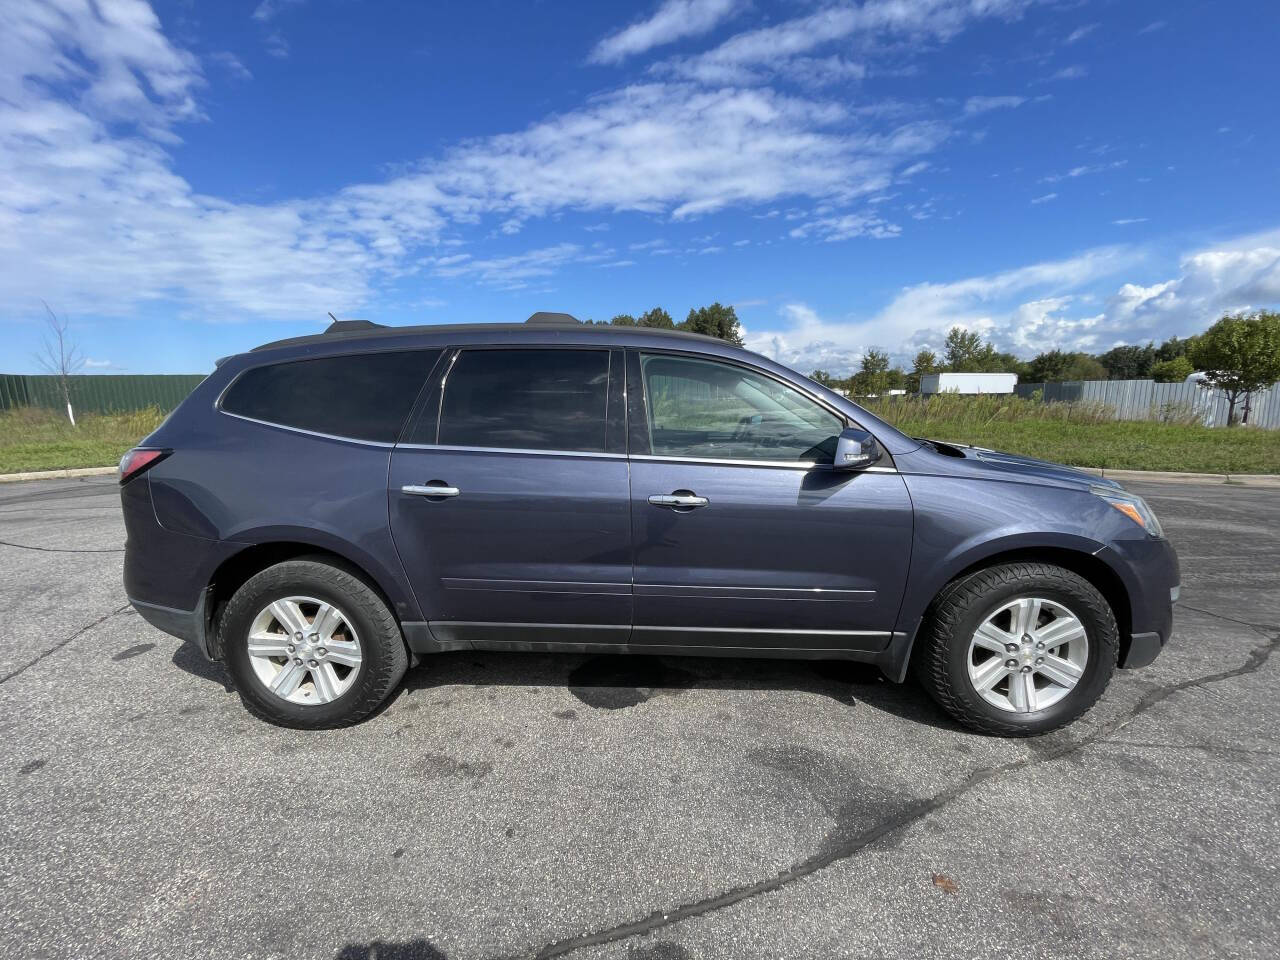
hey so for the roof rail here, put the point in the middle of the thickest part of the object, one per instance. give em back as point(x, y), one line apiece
point(542, 318)
point(344, 326)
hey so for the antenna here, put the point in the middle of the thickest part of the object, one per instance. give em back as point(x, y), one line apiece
point(332, 317)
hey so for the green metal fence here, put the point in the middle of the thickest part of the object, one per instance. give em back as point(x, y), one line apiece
point(108, 393)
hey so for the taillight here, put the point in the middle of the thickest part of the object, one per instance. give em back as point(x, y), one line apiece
point(137, 460)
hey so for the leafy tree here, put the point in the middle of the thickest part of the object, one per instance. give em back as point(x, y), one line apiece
point(824, 378)
point(1057, 366)
point(1173, 347)
point(623, 320)
point(873, 376)
point(716, 320)
point(925, 363)
point(967, 352)
point(1129, 362)
point(963, 349)
point(1006, 363)
point(1049, 367)
point(1171, 371)
point(657, 317)
point(1239, 355)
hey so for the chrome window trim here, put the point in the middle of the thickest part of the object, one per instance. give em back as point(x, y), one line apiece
point(774, 630)
point(525, 451)
point(444, 382)
point(781, 464)
point(308, 433)
point(217, 401)
point(454, 448)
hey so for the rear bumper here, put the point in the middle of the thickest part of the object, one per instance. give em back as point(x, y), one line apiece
point(167, 574)
point(189, 625)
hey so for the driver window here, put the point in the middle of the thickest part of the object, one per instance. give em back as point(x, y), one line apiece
point(710, 410)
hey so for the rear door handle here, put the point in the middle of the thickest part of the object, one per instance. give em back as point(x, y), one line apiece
point(678, 500)
point(430, 490)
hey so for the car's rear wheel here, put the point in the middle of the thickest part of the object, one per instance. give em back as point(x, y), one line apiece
point(1018, 649)
point(311, 645)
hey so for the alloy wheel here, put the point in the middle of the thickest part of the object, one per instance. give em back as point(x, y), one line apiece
point(1027, 655)
point(304, 650)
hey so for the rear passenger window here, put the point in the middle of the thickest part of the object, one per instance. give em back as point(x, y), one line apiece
point(362, 396)
point(527, 399)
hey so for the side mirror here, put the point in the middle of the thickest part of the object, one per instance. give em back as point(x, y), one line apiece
point(856, 449)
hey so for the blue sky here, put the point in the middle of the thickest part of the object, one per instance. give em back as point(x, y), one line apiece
point(185, 180)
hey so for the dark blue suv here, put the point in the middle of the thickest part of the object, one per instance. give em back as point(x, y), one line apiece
point(322, 511)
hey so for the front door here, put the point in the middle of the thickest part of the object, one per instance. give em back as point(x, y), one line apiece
point(509, 505)
point(744, 537)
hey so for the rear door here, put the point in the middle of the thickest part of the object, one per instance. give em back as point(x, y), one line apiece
point(509, 499)
point(745, 538)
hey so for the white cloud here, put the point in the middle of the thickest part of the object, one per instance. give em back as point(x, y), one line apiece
point(1079, 33)
point(1153, 26)
point(1073, 72)
point(671, 21)
point(511, 272)
point(232, 64)
point(753, 55)
point(270, 9)
point(91, 207)
point(1063, 304)
point(1124, 222)
point(846, 227)
point(1044, 199)
point(1083, 170)
point(976, 105)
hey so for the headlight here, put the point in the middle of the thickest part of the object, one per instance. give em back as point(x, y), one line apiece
point(1132, 506)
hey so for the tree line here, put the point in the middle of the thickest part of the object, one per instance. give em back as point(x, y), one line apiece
point(1237, 355)
point(717, 320)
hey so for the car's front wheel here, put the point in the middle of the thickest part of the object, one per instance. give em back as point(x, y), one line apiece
point(311, 645)
point(1018, 649)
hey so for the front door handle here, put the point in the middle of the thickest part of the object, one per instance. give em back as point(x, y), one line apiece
point(435, 489)
point(681, 498)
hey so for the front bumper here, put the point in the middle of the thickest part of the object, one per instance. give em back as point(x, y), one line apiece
point(1149, 568)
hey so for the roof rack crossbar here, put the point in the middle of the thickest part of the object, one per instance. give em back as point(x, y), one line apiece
point(543, 318)
point(346, 326)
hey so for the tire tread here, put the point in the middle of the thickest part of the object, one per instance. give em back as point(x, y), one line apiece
point(387, 664)
point(940, 629)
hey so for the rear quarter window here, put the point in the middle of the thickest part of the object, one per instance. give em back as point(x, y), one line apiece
point(361, 396)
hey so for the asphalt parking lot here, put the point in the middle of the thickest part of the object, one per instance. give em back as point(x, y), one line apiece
point(529, 805)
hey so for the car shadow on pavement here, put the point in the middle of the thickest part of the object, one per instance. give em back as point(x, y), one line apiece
point(387, 950)
point(188, 658)
point(618, 681)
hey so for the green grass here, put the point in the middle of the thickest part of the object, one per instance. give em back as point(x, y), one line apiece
point(1081, 435)
point(1084, 435)
point(36, 439)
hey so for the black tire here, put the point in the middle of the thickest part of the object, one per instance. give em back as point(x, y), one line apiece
point(942, 657)
point(383, 655)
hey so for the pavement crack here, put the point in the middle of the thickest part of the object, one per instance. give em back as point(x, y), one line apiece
point(909, 816)
point(62, 643)
point(27, 546)
point(1262, 628)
